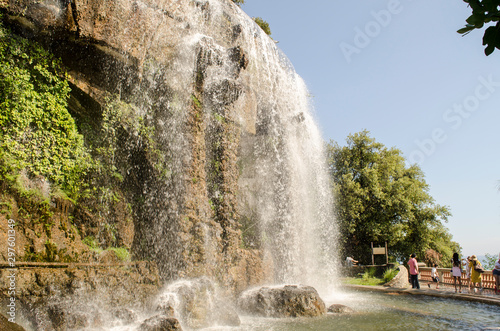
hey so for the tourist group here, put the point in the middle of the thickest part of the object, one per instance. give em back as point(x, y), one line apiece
point(465, 272)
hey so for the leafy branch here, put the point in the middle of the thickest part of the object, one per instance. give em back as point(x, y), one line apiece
point(484, 12)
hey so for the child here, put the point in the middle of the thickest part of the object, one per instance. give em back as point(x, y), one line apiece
point(435, 276)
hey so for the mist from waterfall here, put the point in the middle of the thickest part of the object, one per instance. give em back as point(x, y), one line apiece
point(292, 194)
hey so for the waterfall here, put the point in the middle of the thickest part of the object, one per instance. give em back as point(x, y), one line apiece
point(288, 178)
point(283, 184)
point(252, 140)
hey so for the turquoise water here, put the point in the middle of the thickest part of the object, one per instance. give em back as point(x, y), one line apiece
point(376, 311)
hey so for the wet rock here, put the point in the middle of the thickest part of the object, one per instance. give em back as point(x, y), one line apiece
point(57, 316)
point(126, 315)
point(198, 304)
point(160, 323)
point(109, 257)
point(191, 299)
point(340, 309)
point(286, 301)
point(5, 325)
point(77, 321)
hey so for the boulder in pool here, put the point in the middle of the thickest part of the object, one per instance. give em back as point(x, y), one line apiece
point(283, 301)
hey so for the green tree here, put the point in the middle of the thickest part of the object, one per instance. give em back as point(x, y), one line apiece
point(378, 198)
point(489, 261)
point(484, 12)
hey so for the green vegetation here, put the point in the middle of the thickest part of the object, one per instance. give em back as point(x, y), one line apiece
point(368, 278)
point(263, 25)
point(37, 133)
point(121, 252)
point(389, 274)
point(91, 242)
point(484, 12)
point(363, 281)
point(239, 2)
point(489, 261)
point(379, 198)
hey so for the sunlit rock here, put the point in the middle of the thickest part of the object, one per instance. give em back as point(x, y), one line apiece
point(160, 322)
point(285, 301)
point(340, 309)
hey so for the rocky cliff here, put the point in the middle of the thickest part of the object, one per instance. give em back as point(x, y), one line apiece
point(207, 160)
point(181, 69)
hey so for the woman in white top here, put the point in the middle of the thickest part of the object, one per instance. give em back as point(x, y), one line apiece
point(456, 271)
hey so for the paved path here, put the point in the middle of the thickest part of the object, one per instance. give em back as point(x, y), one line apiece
point(442, 292)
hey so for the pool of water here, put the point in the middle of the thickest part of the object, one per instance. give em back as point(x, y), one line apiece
point(377, 311)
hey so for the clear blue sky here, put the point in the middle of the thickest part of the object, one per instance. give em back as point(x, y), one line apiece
point(400, 70)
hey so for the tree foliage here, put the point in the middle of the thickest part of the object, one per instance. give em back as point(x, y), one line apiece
point(378, 199)
point(489, 261)
point(484, 12)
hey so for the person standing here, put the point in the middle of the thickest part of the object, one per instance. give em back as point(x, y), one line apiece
point(414, 272)
point(467, 271)
point(496, 274)
point(456, 271)
point(475, 276)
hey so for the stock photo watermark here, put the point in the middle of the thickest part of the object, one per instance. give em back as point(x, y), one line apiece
point(11, 274)
point(454, 117)
point(363, 36)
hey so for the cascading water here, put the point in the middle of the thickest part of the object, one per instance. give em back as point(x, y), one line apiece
point(293, 203)
point(283, 185)
point(284, 198)
point(255, 129)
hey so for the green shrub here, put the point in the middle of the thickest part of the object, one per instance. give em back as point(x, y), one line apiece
point(91, 242)
point(122, 253)
point(263, 25)
point(239, 2)
point(369, 273)
point(389, 274)
point(37, 133)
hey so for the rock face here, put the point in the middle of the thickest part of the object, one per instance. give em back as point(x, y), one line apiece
point(214, 147)
point(65, 298)
point(181, 67)
point(5, 325)
point(286, 301)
